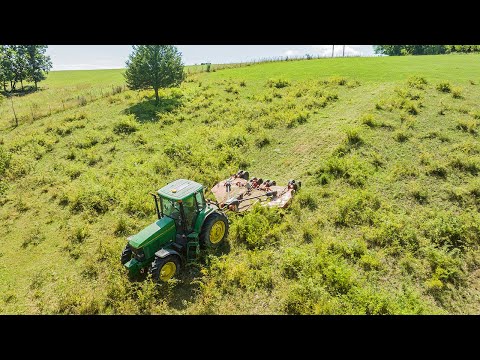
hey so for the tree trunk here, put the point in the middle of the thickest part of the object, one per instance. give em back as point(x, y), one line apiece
point(157, 99)
point(36, 87)
point(5, 86)
point(21, 82)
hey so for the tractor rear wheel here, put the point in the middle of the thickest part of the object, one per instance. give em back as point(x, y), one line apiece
point(214, 230)
point(164, 268)
point(126, 254)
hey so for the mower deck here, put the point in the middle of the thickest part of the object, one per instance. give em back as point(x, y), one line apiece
point(238, 194)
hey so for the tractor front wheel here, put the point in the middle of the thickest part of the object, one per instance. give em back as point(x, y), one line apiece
point(126, 254)
point(164, 268)
point(214, 230)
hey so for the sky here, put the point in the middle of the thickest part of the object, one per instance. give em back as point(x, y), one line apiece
point(88, 57)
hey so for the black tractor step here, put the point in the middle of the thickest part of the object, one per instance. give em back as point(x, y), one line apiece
point(177, 246)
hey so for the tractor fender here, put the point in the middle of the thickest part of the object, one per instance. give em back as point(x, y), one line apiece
point(163, 253)
point(218, 211)
point(201, 220)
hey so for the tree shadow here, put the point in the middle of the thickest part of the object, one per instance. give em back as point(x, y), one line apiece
point(18, 92)
point(151, 111)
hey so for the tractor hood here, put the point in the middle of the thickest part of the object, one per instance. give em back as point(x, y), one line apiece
point(160, 228)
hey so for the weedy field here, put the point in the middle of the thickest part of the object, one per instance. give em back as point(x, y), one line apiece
point(386, 222)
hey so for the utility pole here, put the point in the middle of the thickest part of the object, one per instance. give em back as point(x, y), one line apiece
point(343, 54)
point(333, 49)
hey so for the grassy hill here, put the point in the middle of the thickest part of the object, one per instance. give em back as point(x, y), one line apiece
point(387, 221)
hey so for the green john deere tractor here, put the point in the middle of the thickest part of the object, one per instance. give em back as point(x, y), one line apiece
point(185, 223)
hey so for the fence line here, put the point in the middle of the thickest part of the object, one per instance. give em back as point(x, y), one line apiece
point(214, 67)
point(34, 112)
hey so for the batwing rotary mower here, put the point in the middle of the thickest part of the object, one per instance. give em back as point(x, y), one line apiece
point(187, 222)
point(238, 193)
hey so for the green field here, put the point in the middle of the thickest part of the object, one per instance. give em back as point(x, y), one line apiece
point(387, 221)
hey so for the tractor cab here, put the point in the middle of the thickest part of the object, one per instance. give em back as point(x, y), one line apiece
point(182, 201)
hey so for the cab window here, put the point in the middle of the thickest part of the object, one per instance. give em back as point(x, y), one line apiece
point(171, 208)
point(200, 200)
point(190, 212)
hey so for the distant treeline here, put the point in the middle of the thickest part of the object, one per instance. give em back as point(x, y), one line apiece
point(391, 50)
point(19, 63)
point(395, 50)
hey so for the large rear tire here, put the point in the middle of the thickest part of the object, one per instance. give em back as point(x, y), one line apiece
point(163, 269)
point(214, 230)
point(126, 254)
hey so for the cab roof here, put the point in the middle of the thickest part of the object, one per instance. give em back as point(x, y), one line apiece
point(180, 189)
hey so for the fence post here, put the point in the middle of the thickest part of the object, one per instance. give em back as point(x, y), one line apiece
point(14, 114)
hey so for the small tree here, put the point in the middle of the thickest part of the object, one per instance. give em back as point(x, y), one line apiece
point(154, 66)
point(38, 64)
point(20, 64)
point(7, 65)
point(3, 73)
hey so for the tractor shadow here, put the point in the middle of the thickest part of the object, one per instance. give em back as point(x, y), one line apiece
point(188, 288)
point(138, 278)
point(187, 285)
point(151, 111)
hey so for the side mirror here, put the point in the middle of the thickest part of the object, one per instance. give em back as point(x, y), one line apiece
point(155, 198)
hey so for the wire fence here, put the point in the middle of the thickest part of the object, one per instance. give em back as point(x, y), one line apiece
point(28, 111)
point(207, 67)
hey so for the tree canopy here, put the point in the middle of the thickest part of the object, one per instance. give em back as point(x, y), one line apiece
point(154, 67)
point(19, 63)
point(38, 64)
point(396, 50)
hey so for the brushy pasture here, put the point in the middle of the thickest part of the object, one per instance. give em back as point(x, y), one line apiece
point(387, 221)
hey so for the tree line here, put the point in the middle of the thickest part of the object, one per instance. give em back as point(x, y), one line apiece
point(398, 50)
point(23, 63)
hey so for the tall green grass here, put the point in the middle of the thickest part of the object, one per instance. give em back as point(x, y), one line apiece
point(386, 221)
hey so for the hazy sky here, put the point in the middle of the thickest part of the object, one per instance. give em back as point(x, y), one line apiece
point(78, 57)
